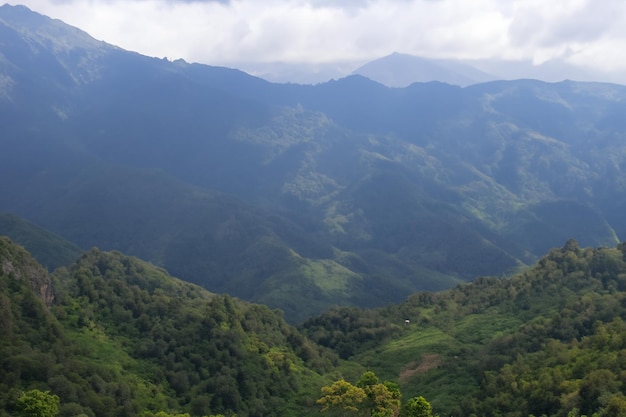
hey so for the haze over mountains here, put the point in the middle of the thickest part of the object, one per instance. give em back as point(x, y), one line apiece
point(401, 70)
point(301, 196)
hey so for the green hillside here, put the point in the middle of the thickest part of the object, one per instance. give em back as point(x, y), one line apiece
point(113, 335)
point(116, 336)
point(50, 250)
point(548, 341)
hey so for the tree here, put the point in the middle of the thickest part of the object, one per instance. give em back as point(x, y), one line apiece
point(164, 414)
point(368, 398)
point(342, 397)
point(417, 407)
point(367, 379)
point(36, 403)
point(616, 407)
point(382, 401)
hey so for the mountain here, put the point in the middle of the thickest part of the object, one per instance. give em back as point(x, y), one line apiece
point(300, 196)
point(115, 336)
point(402, 70)
point(554, 70)
point(298, 73)
point(112, 335)
point(49, 249)
point(548, 341)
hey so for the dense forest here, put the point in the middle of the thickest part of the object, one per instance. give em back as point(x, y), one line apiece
point(537, 343)
point(113, 335)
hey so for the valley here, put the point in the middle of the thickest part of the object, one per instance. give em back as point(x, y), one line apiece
point(188, 240)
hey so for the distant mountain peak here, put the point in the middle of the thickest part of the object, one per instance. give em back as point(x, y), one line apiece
point(400, 70)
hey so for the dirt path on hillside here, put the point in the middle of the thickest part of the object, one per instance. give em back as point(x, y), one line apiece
point(428, 361)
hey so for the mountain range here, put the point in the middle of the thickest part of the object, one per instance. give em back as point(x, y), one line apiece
point(300, 197)
point(401, 70)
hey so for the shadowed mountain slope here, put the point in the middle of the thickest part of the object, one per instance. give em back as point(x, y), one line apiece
point(49, 249)
point(301, 197)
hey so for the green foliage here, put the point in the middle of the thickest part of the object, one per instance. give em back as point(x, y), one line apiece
point(211, 353)
point(343, 396)
point(544, 342)
point(367, 379)
point(122, 338)
point(367, 398)
point(36, 403)
point(348, 330)
point(417, 407)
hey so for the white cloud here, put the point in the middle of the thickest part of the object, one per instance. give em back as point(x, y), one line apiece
point(227, 32)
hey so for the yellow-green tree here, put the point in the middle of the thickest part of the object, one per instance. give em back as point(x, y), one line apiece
point(36, 403)
point(616, 407)
point(342, 398)
point(368, 398)
point(382, 401)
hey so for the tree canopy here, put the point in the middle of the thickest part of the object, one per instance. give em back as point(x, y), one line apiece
point(367, 398)
point(36, 403)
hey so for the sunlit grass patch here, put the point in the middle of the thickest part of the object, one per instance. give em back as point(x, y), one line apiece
point(328, 274)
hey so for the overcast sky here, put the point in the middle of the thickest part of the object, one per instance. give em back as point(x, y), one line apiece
point(223, 32)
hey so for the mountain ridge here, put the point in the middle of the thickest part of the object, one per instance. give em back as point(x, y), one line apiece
point(301, 196)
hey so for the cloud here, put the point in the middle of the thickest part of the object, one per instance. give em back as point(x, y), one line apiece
point(561, 23)
point(570, 30)
point(224, 32)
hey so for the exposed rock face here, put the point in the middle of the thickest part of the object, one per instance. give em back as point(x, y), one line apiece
point(16, 261)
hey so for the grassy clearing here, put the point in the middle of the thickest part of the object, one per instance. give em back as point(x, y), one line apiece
point(328, 275)
point(481, 328)
point(391, 359)
point(95, 343)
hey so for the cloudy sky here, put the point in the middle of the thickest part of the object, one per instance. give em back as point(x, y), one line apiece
point(225, 32)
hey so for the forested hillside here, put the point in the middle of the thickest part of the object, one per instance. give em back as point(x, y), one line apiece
point(49, 249)
point(549, 341)
point(115, 336)
point(300, 196)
